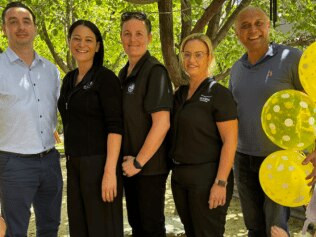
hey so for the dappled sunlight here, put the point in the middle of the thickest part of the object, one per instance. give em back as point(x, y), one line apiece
point(234, 220)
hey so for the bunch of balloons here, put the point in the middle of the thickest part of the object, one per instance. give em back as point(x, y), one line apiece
point(289, 120)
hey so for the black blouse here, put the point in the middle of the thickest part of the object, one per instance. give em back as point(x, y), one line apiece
point(90, 111)
point(195, 136)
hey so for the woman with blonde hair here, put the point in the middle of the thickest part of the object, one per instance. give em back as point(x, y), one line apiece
point(204, 140)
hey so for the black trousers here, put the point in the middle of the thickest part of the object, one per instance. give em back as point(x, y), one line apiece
point(145, 199)
point(191, 187)
point(88, 215)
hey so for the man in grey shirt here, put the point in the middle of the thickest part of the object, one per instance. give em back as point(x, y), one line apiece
point(30, 171)
point(264, 69)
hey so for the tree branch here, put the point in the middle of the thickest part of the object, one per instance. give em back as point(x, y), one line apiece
point(209, 13)
point(186, 18)
point(230, 21)
point(50, 45)
point(302, 41)
point(223, 75)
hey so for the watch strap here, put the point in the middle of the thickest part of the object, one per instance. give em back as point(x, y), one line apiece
point(220, 182)
point(137, 165)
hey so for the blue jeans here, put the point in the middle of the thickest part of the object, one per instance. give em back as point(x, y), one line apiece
point(27, 181)
point(259, 211)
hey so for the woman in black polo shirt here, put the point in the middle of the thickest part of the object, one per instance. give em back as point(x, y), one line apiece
point(204, 140)
point(147, 101)
point(90, 107)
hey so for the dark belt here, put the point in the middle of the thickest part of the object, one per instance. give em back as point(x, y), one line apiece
point(38, 155)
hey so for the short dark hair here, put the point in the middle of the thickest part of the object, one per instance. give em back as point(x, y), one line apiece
point(20, 5)
point(98, 57)
point(141, 16)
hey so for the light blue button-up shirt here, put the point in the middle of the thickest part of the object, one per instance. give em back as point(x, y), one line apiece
point(28, 104)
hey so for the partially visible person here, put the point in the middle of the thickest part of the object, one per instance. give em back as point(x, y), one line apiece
point(30, 173)
point(263, 70)
point(91, 110)
point(204, 141)
point(147, 101)
point(3, 227)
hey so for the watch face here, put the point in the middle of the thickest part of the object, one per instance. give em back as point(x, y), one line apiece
point(221, 183)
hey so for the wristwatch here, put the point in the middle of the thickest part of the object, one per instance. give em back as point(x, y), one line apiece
point(220, 182)
point(137, 165)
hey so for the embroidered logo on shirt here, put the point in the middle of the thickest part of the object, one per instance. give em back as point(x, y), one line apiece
point(88, 85)
point(130, 88)
point(205, 98)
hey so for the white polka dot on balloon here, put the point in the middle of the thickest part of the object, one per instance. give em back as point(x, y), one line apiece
point(272, 126)
point(303, 104)
point(285, 96)
point(291, 168)
point(311, 121)
point(286, 138)
point(284, 157)
point(280, 167)
point(288, 122)
point(276, 108)
point(300, 145)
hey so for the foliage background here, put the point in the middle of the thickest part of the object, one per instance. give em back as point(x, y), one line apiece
point(296, 26)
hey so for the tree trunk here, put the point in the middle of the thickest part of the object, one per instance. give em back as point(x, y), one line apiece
point(167, 42)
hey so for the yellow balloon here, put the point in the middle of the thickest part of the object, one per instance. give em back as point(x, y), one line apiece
point(282, 178)
point(307, 71)
point(289, 119)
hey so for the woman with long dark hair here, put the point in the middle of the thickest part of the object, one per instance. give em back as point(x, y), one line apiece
point(90, 107)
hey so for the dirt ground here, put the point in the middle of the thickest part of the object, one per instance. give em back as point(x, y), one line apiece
point(234, 225)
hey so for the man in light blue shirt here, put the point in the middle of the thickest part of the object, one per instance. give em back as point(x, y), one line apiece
point(30, 171)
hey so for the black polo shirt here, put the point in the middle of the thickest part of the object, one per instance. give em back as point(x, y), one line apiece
point(90, 111)
point(195, 136)
point(145, 91)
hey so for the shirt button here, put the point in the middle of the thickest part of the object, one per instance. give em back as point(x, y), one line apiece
point(34, 84)
point(38, 99)
point(40, 116)
point(41, 132)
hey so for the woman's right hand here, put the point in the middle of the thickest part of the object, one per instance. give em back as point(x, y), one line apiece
point(108, 187)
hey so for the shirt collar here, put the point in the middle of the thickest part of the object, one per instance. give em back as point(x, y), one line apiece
point(272, 50)
point(138, 65)
point(13, 57)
